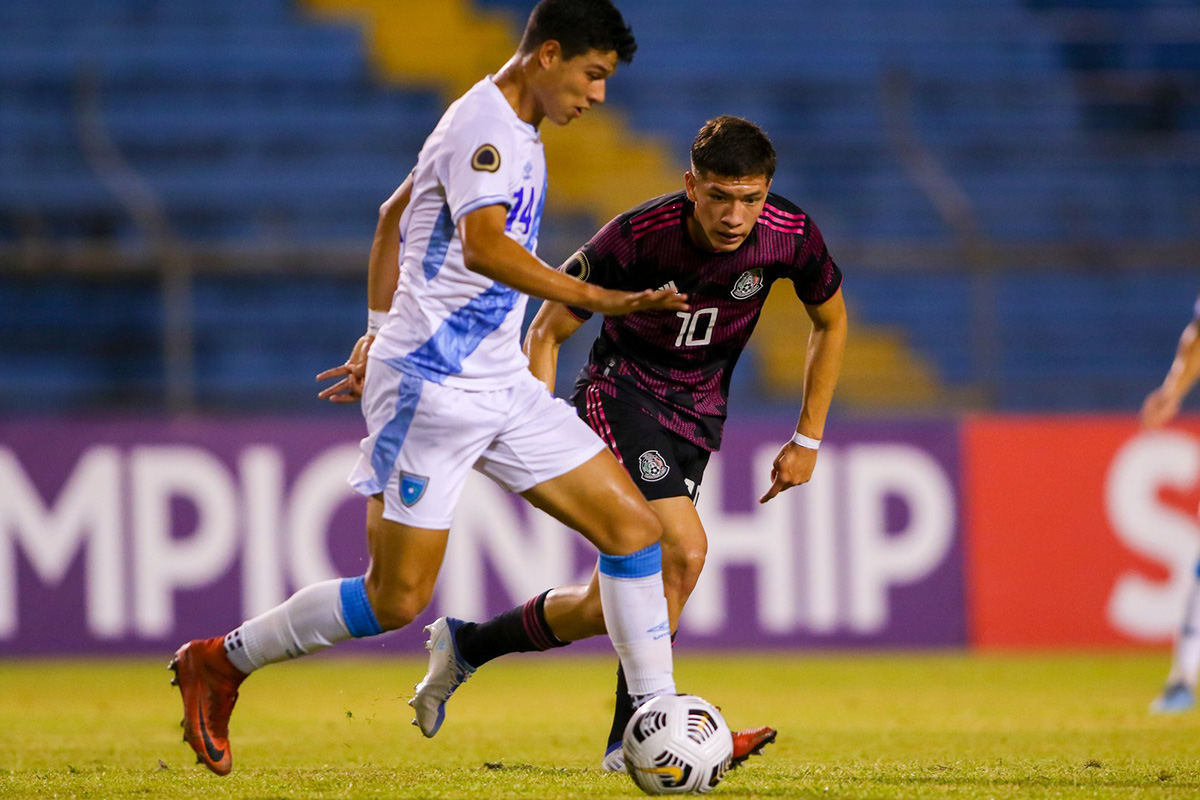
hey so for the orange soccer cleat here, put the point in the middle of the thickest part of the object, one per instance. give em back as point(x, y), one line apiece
point(209, 684)
point(750, 742)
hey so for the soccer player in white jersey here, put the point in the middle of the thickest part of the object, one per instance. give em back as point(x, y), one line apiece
point(1160, 407)
point(447, 388)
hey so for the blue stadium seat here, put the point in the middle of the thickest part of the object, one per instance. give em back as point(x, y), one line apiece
point(253, 122)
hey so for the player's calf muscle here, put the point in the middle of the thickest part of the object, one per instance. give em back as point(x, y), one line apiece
point(681, 571)
point(575, 612)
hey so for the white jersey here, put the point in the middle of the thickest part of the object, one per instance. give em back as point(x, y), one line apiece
point(447, 324)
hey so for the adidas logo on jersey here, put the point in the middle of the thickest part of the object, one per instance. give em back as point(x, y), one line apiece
point(668, 285)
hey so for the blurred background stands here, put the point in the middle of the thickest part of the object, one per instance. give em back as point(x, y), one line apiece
point(188, 190)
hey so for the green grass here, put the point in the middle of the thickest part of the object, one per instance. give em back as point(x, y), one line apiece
point(862, 726)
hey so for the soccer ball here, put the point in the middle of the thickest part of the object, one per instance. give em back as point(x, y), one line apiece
point(677, 744)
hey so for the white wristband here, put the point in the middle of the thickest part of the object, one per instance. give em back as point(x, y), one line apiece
point(375, 320)
point(804, 441)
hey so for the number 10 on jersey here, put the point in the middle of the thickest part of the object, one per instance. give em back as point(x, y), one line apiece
point(697, 327)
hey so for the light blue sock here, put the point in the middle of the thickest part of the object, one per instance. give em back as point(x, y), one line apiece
point(635, 613)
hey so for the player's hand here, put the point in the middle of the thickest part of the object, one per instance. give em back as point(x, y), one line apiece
point(793, 466)
point(350, 375)
point(613, 303)
point(1159, 408)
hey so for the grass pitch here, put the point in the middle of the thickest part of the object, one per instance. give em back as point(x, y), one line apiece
point(860, 726)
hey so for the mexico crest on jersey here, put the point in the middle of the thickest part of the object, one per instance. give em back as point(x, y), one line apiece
point(749, 283)
point(652, 466)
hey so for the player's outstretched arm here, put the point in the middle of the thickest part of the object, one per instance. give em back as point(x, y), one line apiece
point(383, 273)
point(795, 463)
point(488, 251)
point(1163, 403)
point(552, 326)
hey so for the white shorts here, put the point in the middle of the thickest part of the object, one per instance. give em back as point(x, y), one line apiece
point(423, 437)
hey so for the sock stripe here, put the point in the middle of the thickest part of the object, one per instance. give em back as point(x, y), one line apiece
point(356, 608)
point(533, 627)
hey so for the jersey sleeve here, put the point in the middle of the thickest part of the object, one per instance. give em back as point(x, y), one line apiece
point(478, 165)
point(814, 274)
point(603, 261)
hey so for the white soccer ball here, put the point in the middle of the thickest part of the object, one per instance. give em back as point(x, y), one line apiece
point(677, 744)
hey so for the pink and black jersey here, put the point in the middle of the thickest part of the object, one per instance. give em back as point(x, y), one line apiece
point(677, 365)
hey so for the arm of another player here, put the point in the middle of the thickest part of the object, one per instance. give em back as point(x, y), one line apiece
point(383, 272)
point(1163, 403)
point(552, 326)
point(795, 463)
point(489, 251)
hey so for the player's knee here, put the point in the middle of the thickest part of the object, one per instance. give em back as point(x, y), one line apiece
point(634, 530)
point(397, 606)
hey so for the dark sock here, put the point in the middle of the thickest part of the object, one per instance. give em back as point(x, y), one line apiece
point(518, 630)
point(624, 710)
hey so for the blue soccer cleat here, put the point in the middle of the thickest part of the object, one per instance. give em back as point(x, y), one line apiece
point(447, 671)
point(1176, 697)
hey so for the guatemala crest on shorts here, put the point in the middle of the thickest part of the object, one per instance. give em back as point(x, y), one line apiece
point(412, 488)
point(652, 466)
point(749, 283)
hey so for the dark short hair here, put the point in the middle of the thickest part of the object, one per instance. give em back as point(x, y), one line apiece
point(733, 147)
point(579, 26)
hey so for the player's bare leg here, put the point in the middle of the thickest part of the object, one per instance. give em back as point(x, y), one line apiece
point(397, 587)
point(405, 562)
point(599, 499)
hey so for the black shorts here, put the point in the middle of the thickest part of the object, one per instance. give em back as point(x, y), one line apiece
point(661, 463)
